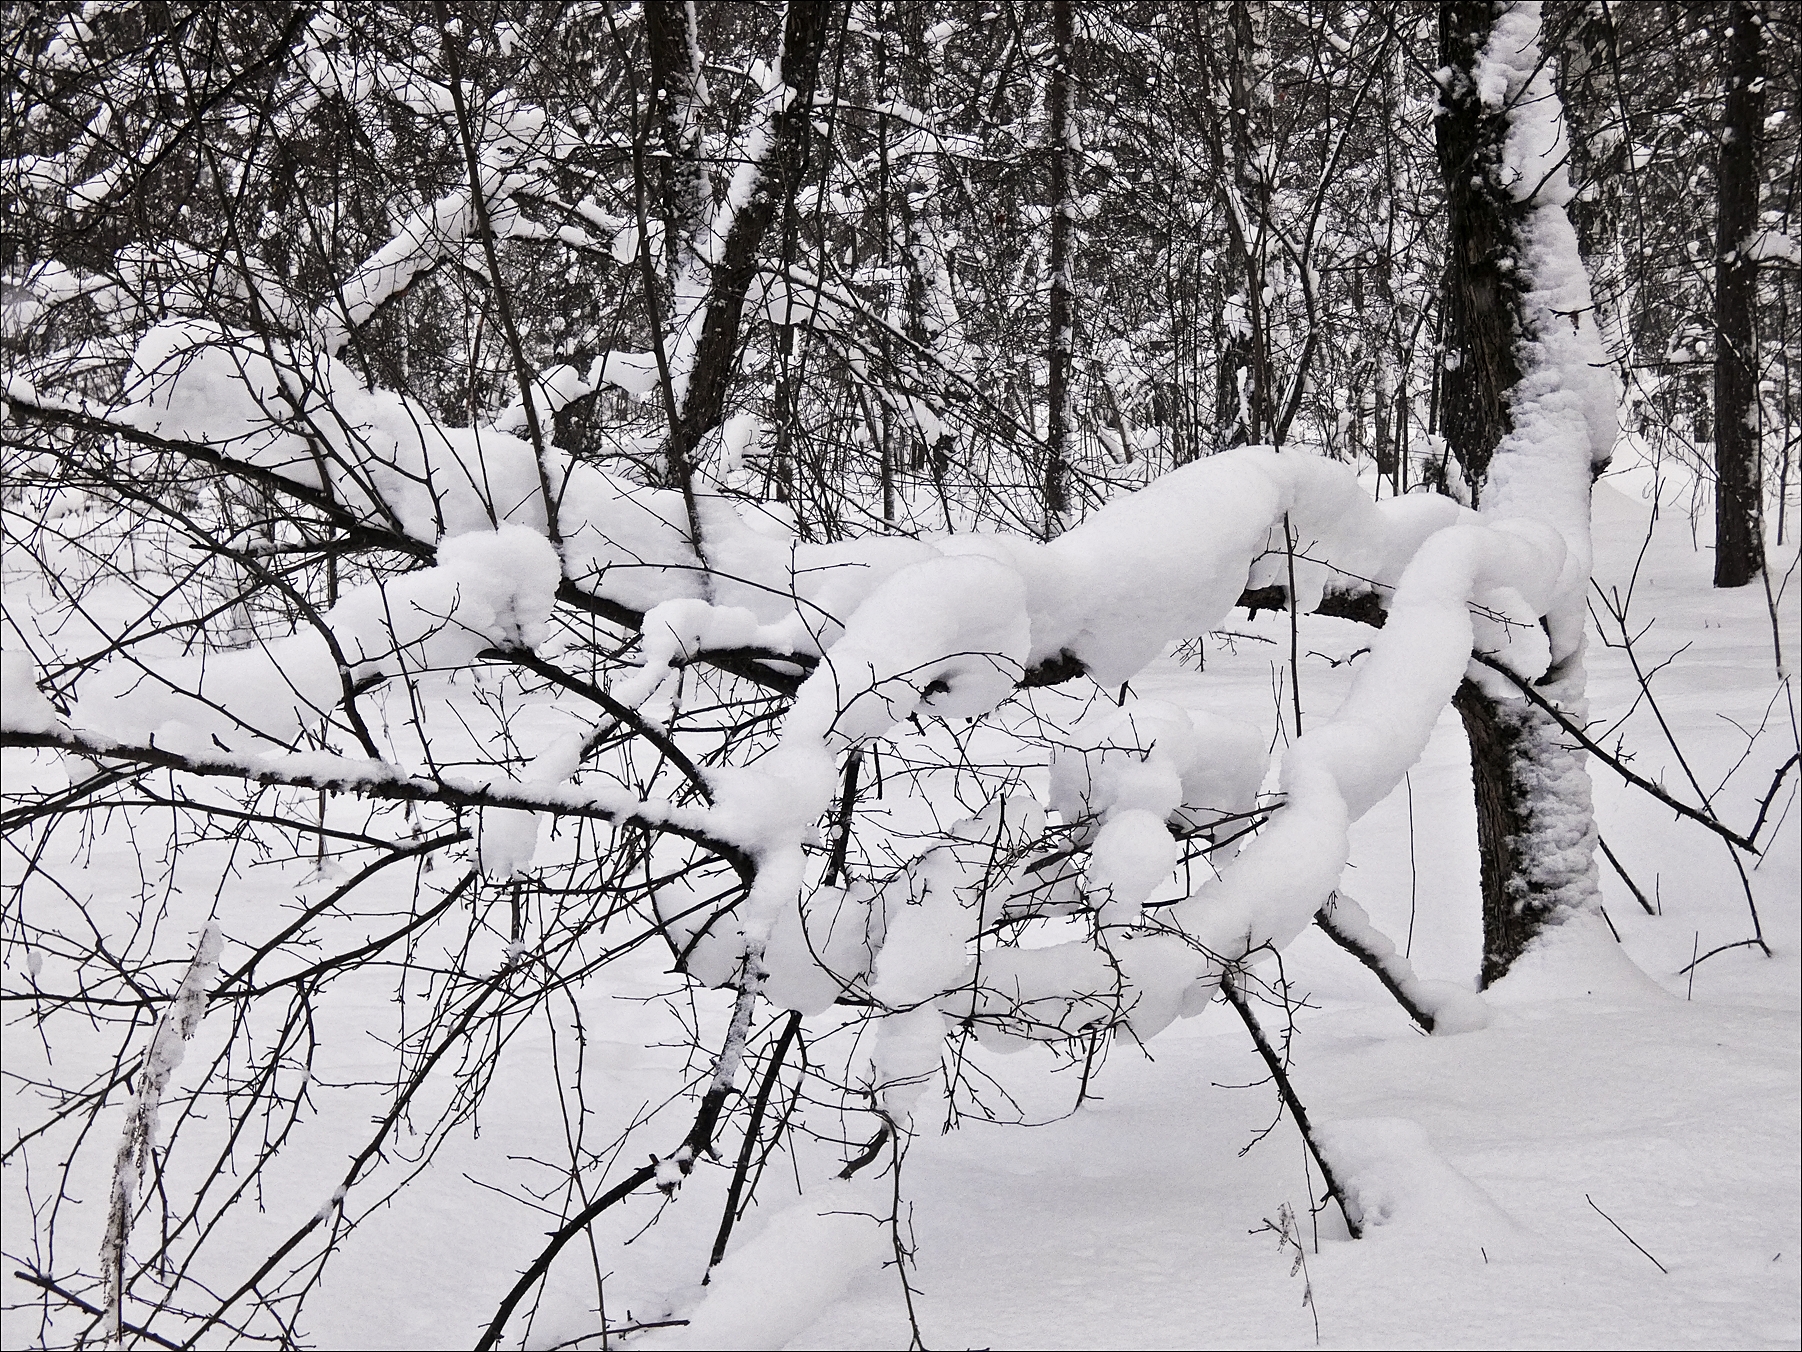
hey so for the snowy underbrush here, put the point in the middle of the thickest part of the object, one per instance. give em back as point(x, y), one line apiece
point(417, 1051)
point(462, 890)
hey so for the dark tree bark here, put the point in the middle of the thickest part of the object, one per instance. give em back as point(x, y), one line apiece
point(1063, 318)
point(1738, 515)
point(1244, 398)
point(682, 193)
point(804, 40)
point(1532, 800)
point(1500, 821)
point(1482, 292)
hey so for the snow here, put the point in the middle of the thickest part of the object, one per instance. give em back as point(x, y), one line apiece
point(1774, 246)
point(23, 707)
point(1471, 1157)
point(139, 1140)
point(1081, 915)
point(1451, 1008)
point(1394, 1176)
point(633, 372)
point(774, 1287)
point(491, 588)
point(1591, 1077)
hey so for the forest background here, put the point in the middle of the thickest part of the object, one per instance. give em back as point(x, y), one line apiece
point(299, 300)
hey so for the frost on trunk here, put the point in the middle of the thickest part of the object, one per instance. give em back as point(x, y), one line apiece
point(1738, 521)
point(137, 1143)
point(1244, 399)
point(1530, 416)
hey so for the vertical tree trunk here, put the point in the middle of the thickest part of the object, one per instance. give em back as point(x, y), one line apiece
point(1058, 428)
point(1246, 407)
point(683, 196)
point(1535, 824)
point(1738, 514)
point(1482, 292)
point(1380, 445)
point(779, 178)
point(1501, 823)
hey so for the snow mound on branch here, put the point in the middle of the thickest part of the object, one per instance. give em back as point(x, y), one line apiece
point(506, 841)
point(1347, 764)
point(1392, 1175)
point(1127, 775)
point(908, 1055)
point(1131, 856)
point(772, 1288)
point(1452, 1008)
point(1191, 766)
point(924, 938)
point(552, 392)
point(492, 589)
point(946, 637)
point(676, 631)
point(1171, 559)
point(633, 372)
point(271, 405)
point(1149, 568)
point(23, 707)
point(1563, 410)
point(1511, 75)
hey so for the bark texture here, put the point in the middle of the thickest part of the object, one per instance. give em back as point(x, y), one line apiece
point(1535, 821)
point(1738, 518)
point(1482, 291)
point(780, 175)
point(1063, 318)
point(1530, 786)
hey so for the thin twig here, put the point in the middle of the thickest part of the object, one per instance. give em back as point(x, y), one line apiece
point(698, 1142)
point(46, 1284)
point(868, 1155)
point(730, 1216)
point(1697, 962)
point(1638, 781)
point(622, 1330)
point(1624, 1235)
point(1631, 885)
point(1776, 783)
point(1346, 940)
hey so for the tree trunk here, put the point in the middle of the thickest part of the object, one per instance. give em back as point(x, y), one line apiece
point(1482, 292)
point(779, 178)
point(1247, 400)
point(1057, 432)
point(1535, 822)
point(1738, 515)
point(683, 195)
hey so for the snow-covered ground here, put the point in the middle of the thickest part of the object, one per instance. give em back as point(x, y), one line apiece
point(1605, 1083)
point(1484, 1162)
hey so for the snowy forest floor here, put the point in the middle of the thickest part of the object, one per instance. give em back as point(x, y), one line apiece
point(1605, 1083)
point(1604, 1076)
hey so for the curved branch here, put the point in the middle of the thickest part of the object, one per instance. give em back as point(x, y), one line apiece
point(588, 690)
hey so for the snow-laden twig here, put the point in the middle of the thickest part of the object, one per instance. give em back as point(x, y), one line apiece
point(1437, 1006)
point(137, 1142)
